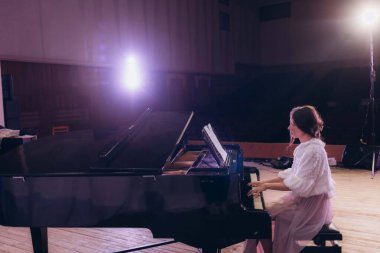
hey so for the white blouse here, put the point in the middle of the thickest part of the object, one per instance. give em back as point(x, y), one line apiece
point(310, 173)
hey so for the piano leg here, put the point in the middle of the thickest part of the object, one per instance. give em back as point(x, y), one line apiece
point(39, 239)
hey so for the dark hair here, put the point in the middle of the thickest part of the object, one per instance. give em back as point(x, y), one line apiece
point(308, 120)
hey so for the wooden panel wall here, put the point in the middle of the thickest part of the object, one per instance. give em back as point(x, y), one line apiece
point(168, 35)
point(85, 97)
point(53, 94)
point(275, 150)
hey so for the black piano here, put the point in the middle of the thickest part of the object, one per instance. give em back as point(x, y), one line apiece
point(144, 176)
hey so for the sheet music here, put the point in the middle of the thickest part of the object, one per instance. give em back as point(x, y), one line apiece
point(218, 146)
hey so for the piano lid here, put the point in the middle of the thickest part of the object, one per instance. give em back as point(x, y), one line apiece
point(148, 146)
point(152, 142)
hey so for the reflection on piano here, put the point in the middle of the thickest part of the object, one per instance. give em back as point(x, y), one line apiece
point(143, 177)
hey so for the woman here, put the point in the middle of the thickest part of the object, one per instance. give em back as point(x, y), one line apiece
point(302, 212)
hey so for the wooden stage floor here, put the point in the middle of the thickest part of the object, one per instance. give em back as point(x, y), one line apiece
point(356, 214)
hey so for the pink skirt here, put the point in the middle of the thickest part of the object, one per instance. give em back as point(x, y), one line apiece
point(298, 219)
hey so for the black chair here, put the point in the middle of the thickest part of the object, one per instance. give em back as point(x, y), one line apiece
point(328, 233)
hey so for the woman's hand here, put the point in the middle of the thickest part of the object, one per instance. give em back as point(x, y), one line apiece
point(256, 183)
point(258, 188)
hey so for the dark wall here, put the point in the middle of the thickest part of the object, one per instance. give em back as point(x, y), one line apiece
point(10, 103)
point(340, 94)
point(85, 97)
point(252, 105)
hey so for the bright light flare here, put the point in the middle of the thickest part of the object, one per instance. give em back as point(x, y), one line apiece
point(369, 16)
point(132, 74)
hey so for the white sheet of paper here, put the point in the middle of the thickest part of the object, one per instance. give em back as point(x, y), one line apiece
point(215, 141)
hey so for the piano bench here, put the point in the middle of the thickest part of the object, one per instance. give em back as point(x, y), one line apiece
point(328, 233)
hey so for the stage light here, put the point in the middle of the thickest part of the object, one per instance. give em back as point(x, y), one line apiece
point(369, 16)
point(132, 74)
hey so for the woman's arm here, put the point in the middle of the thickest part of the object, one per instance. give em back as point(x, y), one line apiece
point(272, 180)
point(280, 186)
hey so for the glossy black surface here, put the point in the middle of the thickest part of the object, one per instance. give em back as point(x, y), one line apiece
point(62, 181)
point(105, 201)
point(7, 144)
point(77, 152)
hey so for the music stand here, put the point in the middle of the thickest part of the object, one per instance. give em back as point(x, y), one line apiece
point(212, 141)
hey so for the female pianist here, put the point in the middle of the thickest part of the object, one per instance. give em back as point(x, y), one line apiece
point(300, 213)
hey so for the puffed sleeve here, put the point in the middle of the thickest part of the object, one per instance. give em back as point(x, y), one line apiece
point(302, 182)
point(285, 173)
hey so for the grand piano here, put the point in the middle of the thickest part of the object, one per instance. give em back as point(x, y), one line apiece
point(144, 176)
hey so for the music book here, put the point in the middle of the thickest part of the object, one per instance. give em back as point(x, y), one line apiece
point(214, 144)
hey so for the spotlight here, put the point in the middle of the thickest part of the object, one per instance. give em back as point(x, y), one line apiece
point(132, 74)
point(369, 16)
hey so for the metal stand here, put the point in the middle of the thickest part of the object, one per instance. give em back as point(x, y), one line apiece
point(372, 77)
